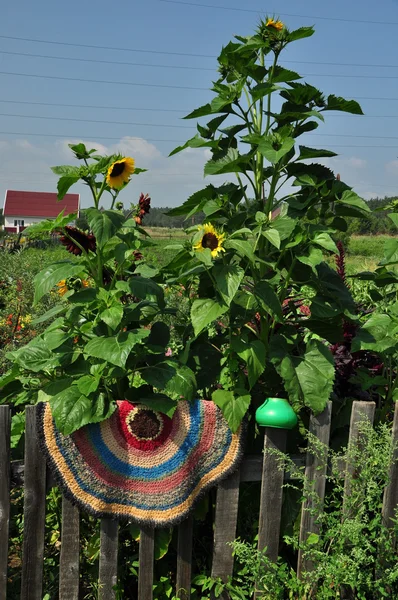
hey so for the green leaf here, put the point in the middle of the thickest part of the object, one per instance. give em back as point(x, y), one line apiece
point(306, 153)
point(71, 410)
point(17, 428)
point(232, 162)
point(261, 90)
point(233, 408)
point(53, 274)
point(195, 142)
point(299, 34)
point(64, 183)
point(390, 252)
point(313, 258)
point(35, 356)
point(194, 203)
point(9, 376)
point(285, 226)
point(394, 218)
point(308, 379)
point(161, 403)
point(325, 241)
point(159, 335)
point(351, 205)
point(273, 236)
point(379, 334)
point(87, 384)
point(49, 314)
point(204, 311)
point(115, 349)
point(242, 247)
point(102, 408)
point(228, 279)
point(175, 379)
point(104, 224)
point(146, 289)
point(66, 170)
point(268, 299)
point(112, 316)
point(339, 103)
point(273, 151)
point(282, 75)
point(254, 355)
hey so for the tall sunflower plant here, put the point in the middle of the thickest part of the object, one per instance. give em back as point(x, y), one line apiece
point(267, 235)
point(106, 339)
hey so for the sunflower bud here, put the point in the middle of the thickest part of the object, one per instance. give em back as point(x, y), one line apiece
point(144, 204)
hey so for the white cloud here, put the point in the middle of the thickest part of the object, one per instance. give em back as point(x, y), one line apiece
point(392, 167)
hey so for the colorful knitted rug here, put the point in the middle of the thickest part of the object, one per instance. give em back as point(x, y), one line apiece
point(140, 464)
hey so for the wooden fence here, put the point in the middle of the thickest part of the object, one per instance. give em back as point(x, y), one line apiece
point(32, 474)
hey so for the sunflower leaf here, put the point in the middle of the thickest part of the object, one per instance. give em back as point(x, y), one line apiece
point(64, 183)
point(233, 408)
point(204, 311)
point(46, 279)
point(228, 279)
point(104, 224)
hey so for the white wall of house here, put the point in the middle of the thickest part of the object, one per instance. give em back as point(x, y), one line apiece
point(9, 220)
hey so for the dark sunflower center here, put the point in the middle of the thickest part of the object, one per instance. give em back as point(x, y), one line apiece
point(118, 169)
point(145, 424)
point(209, 240)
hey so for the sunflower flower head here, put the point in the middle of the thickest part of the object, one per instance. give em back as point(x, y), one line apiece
point(119, 172)
point(210, 238)
point(274, 24)
point(74, 240)
point(62, 287)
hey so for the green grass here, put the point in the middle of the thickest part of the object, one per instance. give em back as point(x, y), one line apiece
point(370, 246)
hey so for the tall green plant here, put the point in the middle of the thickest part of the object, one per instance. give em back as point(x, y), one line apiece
point(261, 244)
point(103, 343)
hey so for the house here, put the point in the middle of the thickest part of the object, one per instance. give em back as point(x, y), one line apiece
point(22, 209)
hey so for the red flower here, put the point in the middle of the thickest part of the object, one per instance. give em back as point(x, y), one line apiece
point(85, 240)
point(144, 203)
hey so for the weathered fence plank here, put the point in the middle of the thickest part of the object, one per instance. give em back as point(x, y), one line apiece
point(5, 425)
point(146, 557)
point(315, 471)
point(271, 493)
point(225, 521)
point(360, 412)
point(108, 558)
point(69, 559)
point(390, 500)
point(34, 512)
point(184, 559)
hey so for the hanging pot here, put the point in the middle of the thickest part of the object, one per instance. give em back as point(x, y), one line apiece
point(276, 412)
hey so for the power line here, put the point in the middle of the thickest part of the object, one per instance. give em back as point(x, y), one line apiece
point(94, 121)
point(80, 136)
point(162, 109)
point(153, 85)
point(9, 37)
point(257, 11)
point(189, 68)
point(165, 52)
point(91, 136)
point(107, 62)
point(92, 106)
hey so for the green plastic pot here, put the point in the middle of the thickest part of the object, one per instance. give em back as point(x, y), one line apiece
point(276, 412)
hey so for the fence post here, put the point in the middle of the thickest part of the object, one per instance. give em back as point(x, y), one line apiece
point(34, 512)
point(108, 559)
point(146, 558)
point(184, 559)
point(69, 559)
point(315, 472)
point(5, 426)
point(390, 500)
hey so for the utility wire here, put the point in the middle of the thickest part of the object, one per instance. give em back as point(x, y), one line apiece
point(95, 121)
point(164, 52)
point(379, 137)
point(93, 106)
point(153, 85)
point(161, 109)
point(106, 62)
point(257, 11)
point(91, 136)
point(193, 68)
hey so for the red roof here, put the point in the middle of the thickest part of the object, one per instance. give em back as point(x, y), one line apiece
point(38, 204)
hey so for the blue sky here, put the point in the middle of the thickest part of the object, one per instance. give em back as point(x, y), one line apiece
point(189, 31)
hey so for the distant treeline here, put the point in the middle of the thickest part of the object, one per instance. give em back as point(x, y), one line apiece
point(377, 222)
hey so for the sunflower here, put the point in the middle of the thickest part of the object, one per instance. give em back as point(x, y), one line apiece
point(274, 24)
point(62, 287)
point(119, 172)
point(211, 239)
